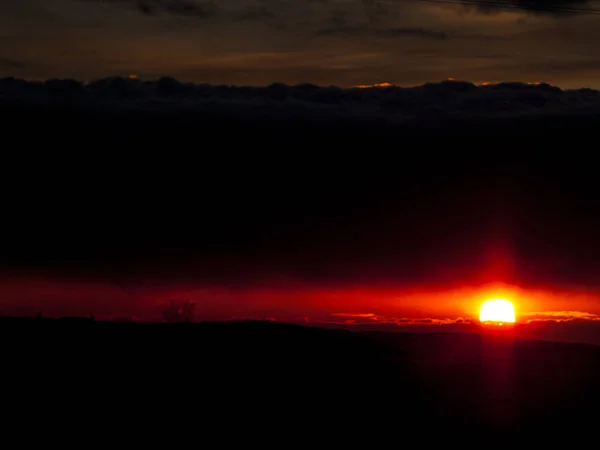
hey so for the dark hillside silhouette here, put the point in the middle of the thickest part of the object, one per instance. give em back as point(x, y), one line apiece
point(278, 378)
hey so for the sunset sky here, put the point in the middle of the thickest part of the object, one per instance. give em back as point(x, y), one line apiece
point(106, 299)
point(257, 42)
point(366, 243)
point(135, 207)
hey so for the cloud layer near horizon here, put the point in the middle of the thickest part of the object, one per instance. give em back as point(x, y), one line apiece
point(431, 101)
point(569, 326)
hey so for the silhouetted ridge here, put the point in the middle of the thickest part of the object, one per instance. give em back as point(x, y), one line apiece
point(312, 382)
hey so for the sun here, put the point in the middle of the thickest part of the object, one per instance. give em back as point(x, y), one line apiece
point(497, 310)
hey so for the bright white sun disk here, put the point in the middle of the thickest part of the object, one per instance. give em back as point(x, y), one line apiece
point(497, 310)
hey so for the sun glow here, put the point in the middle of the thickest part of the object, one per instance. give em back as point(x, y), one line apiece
point(497, 310)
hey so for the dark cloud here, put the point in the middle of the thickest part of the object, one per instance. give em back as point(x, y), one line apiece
point(580, 65)
point(188, 8)
point(556, 8)
point(192, 8)
point(261, 13)
point(266, 12)
point(418, 32)
point(448, 98)
point(12, 63)
point(375, 10)
point(360, 31)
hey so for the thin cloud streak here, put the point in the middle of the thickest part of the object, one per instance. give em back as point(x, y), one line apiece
point(186, 8)
point(359, 31)
point(560, 315)
point(370, 318)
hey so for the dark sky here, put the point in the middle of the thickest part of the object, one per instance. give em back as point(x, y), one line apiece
point(345, 43)
point(268, 219)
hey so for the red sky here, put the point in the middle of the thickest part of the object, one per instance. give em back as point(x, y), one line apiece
point(291, 302)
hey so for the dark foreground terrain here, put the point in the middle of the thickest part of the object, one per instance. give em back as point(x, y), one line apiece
point(270, 383)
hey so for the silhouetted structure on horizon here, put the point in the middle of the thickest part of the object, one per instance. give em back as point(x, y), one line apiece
point(178, 312)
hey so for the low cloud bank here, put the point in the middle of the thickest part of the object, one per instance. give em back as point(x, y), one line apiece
point(559, 316)
point(371, 318)
point(447, 99)
point(565, 326)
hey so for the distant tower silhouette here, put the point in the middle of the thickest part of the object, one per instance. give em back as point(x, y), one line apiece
point(179, 312)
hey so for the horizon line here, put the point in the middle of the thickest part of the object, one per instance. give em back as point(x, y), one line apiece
point(374, 85)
